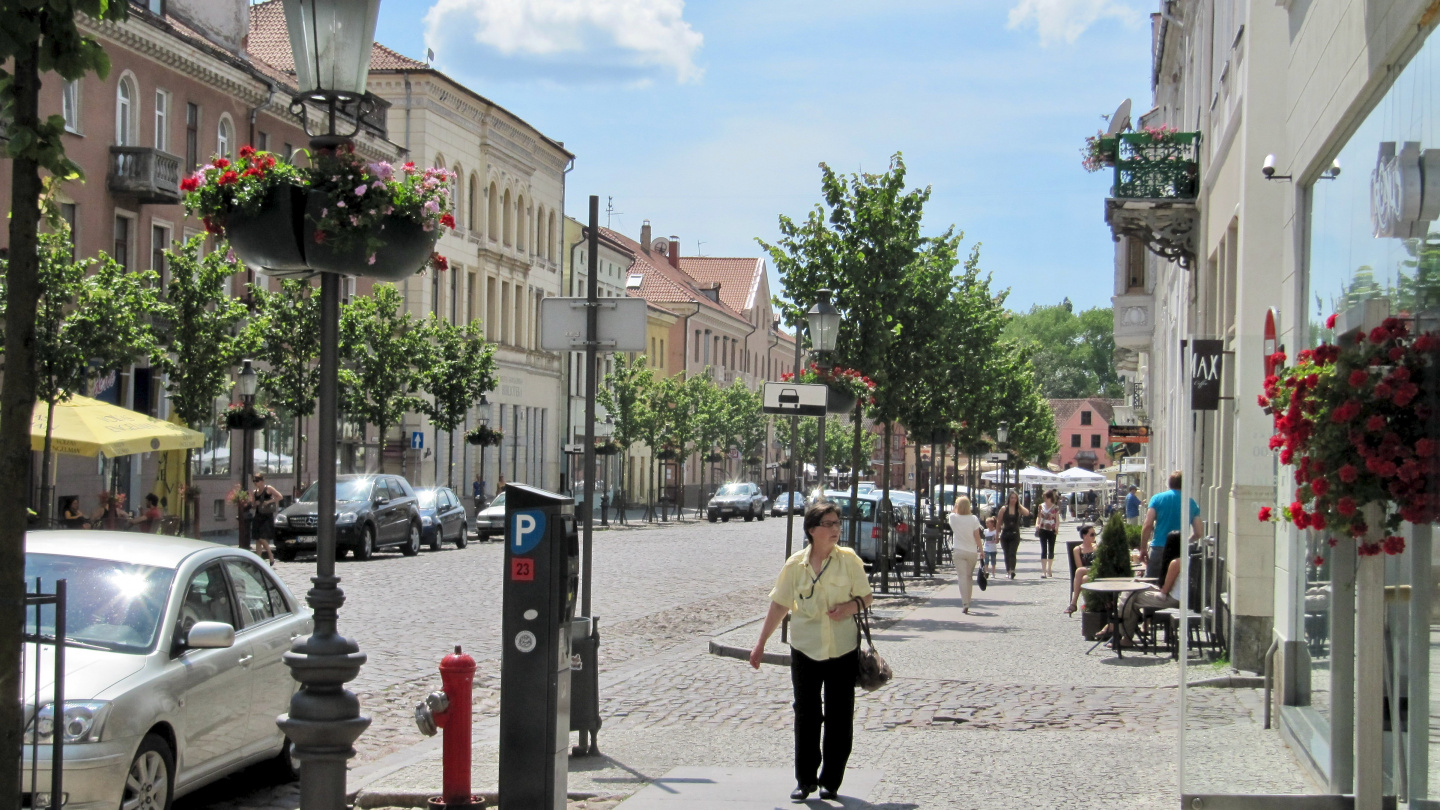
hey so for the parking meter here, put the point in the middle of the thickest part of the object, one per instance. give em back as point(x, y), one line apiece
point(542, 576)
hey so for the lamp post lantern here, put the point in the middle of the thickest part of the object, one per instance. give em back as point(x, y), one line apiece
point(1002, 437)
point(246, 385)
point(823, 322)
point(331, 41)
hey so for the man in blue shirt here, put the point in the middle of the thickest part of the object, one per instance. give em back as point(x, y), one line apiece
point(1162, 518)
point(1132, 506)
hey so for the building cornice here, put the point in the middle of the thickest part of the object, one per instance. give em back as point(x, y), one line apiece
point(221, 71)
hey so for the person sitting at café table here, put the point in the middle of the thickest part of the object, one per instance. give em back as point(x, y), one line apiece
point(1166, 595)
point(1084, 555)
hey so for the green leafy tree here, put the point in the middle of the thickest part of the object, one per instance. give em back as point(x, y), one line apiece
point(1074, 354)
point(285, 331)
point(460, 371)
point(40, 37)
point(839, 433)
point(202, 341)
point(381, 345)
point(711, 426)
point(625, 397)
point(676, 401)
point(86, 325)
point(745, 423)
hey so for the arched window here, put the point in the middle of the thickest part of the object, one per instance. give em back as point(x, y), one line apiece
point(455, 207)
point(492, 213)
point(540, 234)
point(551, 239)
point(225, 138)
point(521, 232)
point(509, 228)
point(126, 100)
point(474, 201)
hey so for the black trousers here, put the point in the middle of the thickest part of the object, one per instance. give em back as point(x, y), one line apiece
point(835, 677)
point(1010, 544)
point(1047, 543)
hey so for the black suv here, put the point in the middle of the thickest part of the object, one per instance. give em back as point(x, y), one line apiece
point(371, 512)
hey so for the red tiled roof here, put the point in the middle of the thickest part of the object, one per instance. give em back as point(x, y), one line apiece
point(270, 41)
point(739, 279)
point(1066, 408)
point(659, 282)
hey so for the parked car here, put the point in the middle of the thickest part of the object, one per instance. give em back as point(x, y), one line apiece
point(173, 667)
point(442, 517)
point(787, 502)
point(867, 509)
point(372, 512)
point(490, 521)
point(736, 500)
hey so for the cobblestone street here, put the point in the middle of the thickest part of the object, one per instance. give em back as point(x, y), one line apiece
point(1001, 708)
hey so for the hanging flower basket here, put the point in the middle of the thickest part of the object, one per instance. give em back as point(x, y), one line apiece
point(1351, 422)
point(245, 417)
point(1099, 152)
point(714, 458)
point(607, 448)
point(484, 436)
point(269, 239)
point(846, 385)
point(667, 454)
point(404, 250)
point(753, 461)
point(838, 400)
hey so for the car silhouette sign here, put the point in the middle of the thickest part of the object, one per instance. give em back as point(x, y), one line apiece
point(795, 399)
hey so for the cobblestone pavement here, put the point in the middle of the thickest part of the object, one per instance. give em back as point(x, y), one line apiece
point(1001, 708)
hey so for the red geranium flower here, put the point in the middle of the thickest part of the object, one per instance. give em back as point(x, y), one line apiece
point(1348, 473)
point(1394, 544)
point(447, 220)
point(247, 151)
point(222, 163)
point(189, 184)
point(1345, 506)
point(1358, 377)
point(1265, 513)
point(1330, 321)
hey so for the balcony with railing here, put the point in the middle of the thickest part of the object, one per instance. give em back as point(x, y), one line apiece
point(1157, 177)
point(146, 174)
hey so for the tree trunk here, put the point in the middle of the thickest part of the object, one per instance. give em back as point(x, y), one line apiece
point(17, 402)
point(297, 447)
point(883, 519)
point(680, 490)
point(619, 487)
point(47, 488)
point(382, 427)
point(450, 473)
point(855, 474)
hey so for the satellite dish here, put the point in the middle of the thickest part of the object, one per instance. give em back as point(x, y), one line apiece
point(1120, 121)
point(661, 246)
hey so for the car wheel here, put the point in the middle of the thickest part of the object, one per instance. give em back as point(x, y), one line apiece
point(151, 778)
point(761, 514)
point(285, 554)
point(750, 515)
point(712, 518)
point(724, 520)
point(463, 537)
point(412, 546)
point(439, 539)
point(367, 543)
point(285, 766)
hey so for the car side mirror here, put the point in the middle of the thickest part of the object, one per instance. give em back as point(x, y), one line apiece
point(381, 500)
point(210, 636)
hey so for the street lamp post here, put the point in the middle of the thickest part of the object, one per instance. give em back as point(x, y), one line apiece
point(1002, 437)
point(823, 322)
point(246, 385)
point(484, 422)
point(331, 41)
point(603, 432)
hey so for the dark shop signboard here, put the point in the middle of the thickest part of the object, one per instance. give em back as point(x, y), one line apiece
point(1206, 363)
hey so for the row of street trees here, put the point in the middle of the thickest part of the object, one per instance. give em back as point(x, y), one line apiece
point(680, 416)
point(94, 317)
point(917, 318)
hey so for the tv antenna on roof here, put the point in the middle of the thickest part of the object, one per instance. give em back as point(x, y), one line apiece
point(610, 210)
point(1120, 121)
point(698, 243)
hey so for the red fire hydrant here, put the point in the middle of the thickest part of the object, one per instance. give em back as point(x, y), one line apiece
point(450, 710)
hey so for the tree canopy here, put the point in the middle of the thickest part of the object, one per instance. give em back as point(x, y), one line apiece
point(1073, 353)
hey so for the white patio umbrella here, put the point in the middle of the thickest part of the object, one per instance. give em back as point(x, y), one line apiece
point(1077, 479)
point(1028, 476)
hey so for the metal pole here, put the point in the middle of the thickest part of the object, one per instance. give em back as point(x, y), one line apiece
point(246, 448)
point(790, 507)
point(324, 718)
point(592, 323)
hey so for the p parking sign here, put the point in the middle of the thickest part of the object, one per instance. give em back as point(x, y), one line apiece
point(527, 529)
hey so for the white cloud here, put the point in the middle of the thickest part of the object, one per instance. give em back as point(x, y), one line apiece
point(1066, 20)
point(578, 40)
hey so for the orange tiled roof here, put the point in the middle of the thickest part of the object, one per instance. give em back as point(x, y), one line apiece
point(660, 282)
point(1066, 408)
point(739, 279)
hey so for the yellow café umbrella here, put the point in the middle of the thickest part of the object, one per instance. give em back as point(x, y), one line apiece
point(170, 474)
point(88, 427)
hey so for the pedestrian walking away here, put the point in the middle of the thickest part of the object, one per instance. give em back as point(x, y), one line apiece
point(818, 588)
point(1084, 557)
point(1009, 517)
point(1162, 518)
point(1047, 523)
point(264, 503)
point(965, 529)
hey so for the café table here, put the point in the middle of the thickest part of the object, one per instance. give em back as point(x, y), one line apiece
point(1115, 587)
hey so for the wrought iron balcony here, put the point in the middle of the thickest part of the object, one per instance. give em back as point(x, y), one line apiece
point(149, 175)
point(1153, 199)
point(1150, 167)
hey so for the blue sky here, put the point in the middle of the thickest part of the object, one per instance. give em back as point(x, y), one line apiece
point(709, 117)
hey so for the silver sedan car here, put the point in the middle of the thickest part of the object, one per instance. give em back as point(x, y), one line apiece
point(173, 670)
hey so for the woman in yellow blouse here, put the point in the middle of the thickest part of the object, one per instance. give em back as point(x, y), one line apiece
point(817, 587)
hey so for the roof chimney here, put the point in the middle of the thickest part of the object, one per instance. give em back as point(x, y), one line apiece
point(645, 236)
point(674, 252)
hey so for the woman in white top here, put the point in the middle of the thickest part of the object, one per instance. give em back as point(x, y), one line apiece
point(1165, 596)
point(965, 529)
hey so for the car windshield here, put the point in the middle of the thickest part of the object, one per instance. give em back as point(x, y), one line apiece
point(867, 508)
point(499, 501)
point(355, 489)
point(113, 605)
point(733, 489)
point(426, 497)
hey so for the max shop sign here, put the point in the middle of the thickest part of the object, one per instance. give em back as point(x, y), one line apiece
point(1404, 190)
point(1207, 365)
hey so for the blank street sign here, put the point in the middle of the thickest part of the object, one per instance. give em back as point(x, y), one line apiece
point(997, 456)
point(621, 325)
point(794, 399)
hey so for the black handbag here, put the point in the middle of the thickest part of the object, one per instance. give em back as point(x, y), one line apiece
point(872, 672)
point(981, 578)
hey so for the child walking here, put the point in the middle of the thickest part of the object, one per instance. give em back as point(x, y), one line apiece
point(990, 536)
